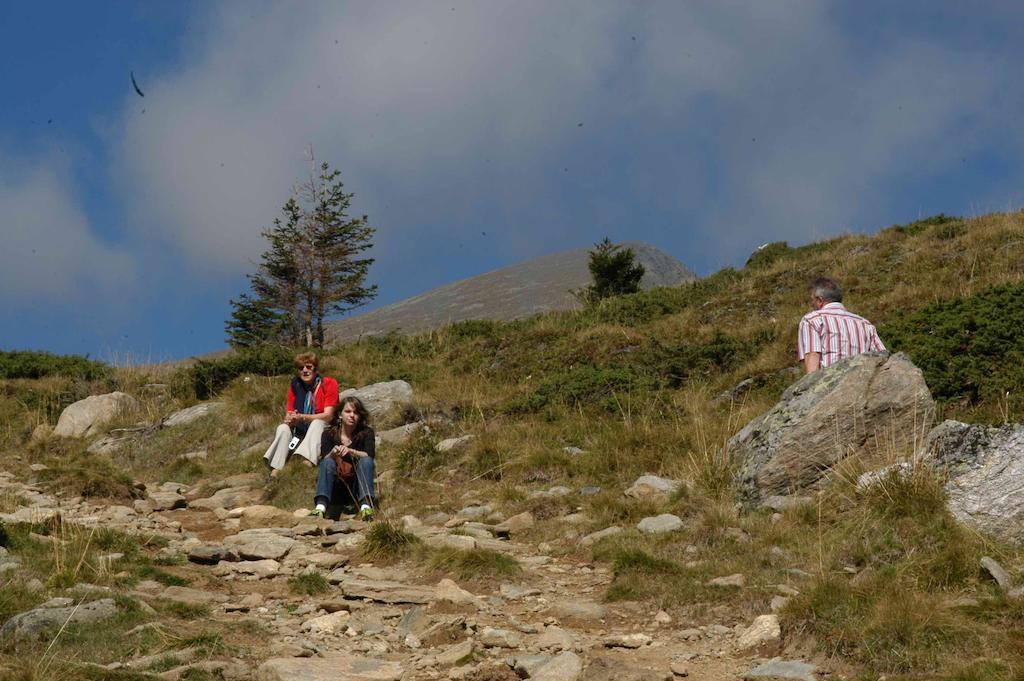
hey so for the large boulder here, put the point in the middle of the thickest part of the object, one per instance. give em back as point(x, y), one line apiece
point(187, 415)
point(869, 404)
point(984, 471)
point(87, 417)
point(45, 618)
point(382, 399)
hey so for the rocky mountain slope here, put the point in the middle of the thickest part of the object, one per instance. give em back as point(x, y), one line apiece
point(539, 285)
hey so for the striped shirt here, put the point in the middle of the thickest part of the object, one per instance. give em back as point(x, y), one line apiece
point(837, 334)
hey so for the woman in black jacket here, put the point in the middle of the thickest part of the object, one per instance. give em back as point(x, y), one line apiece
point(347, 452)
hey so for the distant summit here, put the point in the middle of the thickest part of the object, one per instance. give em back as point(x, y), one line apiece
point(527, 288)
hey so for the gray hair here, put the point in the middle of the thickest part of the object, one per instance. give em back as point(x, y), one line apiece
point(827, 289)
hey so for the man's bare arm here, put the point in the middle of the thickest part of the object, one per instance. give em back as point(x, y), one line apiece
point(812, 362)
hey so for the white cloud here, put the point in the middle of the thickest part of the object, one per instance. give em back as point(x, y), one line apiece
point(775, 121)
point(50, 254)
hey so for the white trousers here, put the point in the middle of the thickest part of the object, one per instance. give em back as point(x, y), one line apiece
point(309, 448)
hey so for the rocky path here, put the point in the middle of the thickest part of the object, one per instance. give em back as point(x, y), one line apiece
point(402, 621)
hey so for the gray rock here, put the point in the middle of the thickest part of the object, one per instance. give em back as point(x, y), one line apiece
point(778, 502)
point(194, 413)
point(527, 665)
point(499, 638)
point(259, 544)
point(783, 670)
point(589, 491)
point(87, 417)
point(42, 619)
point(516, 524)
point(185, 594)
point(595, 537)
point(996, 571)
point(856, 408)
point(565, 666)
point(736, 580)
point(228, 497)
point(631, 641)
point(653, 488)
point(382, 399)
point(764, 635)
point(984, 471)
point(452, 443)
point(329, 667)
point(401, 434)
point(578, 610)
point(660, 524)
point(573, 451)
point(454, 654)
point(556, 639)
point(382, 591)
point(165, 501)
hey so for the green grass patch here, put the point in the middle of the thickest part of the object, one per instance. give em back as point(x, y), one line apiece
point(309, 583)
point(474, 563)
point(386, 541)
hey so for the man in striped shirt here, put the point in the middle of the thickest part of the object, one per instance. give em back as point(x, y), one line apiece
point(829, 332)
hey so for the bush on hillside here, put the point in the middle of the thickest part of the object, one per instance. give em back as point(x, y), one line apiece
point(30, 364)
point(970, 349)
point(583, 385)
point(941, 221)
point(209, 377)
point(767, 254)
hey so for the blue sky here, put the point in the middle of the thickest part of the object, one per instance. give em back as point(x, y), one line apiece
point(708, 128)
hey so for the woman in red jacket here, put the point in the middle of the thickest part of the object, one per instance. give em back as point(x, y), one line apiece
point(312, 400)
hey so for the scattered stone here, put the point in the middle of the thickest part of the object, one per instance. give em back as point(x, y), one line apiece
point(996, 572)
point(679, 668)
point(259, 544)
point(516, 524)
point(382, 591)
point(458, 542)
point(447, 590)
point(455, 654)
point(660, 524)
point(333, 623)
point(198, 455)
point(763, 636)
point(330, 667)
point(229, 497)
point(87, 417)
point(401, 434)
point(780, 503)
point(778, 603)
point(631, 641)
point(185, 594)
point(42, 619)
point(866, 401)
point(589, 491)
point(499, 638)
point(663, 618)
point(514, 592)
point(189, 414)
point(737, 580)
point(653, 488)
point(454, 443)
point(595, 537)
point(261, 569)
point(566, 666)
point(475, 512)
point(211, 555)
point(165, 501)
point(782, 670)
point(578, 610)
point(556, 639)
point(573, 451)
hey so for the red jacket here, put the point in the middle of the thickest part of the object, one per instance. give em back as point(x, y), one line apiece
point(326, 395)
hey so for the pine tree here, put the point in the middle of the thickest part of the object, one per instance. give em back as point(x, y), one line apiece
point(613, 270)
point(311, 271)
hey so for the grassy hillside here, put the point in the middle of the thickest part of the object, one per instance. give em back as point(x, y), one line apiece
point(633, 383)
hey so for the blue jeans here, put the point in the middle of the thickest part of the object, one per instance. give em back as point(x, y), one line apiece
point(362, 489)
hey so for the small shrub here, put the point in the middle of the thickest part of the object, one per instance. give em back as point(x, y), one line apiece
point(474, 563)
point(309, 583)
point(158, 575)
point(970, 348)
point(584, 385)
point(919, 226)
point(386, 541)
point(419, 455)
point(209, 377)
point(30, 364)
point(767, 254)
point(187, 611)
